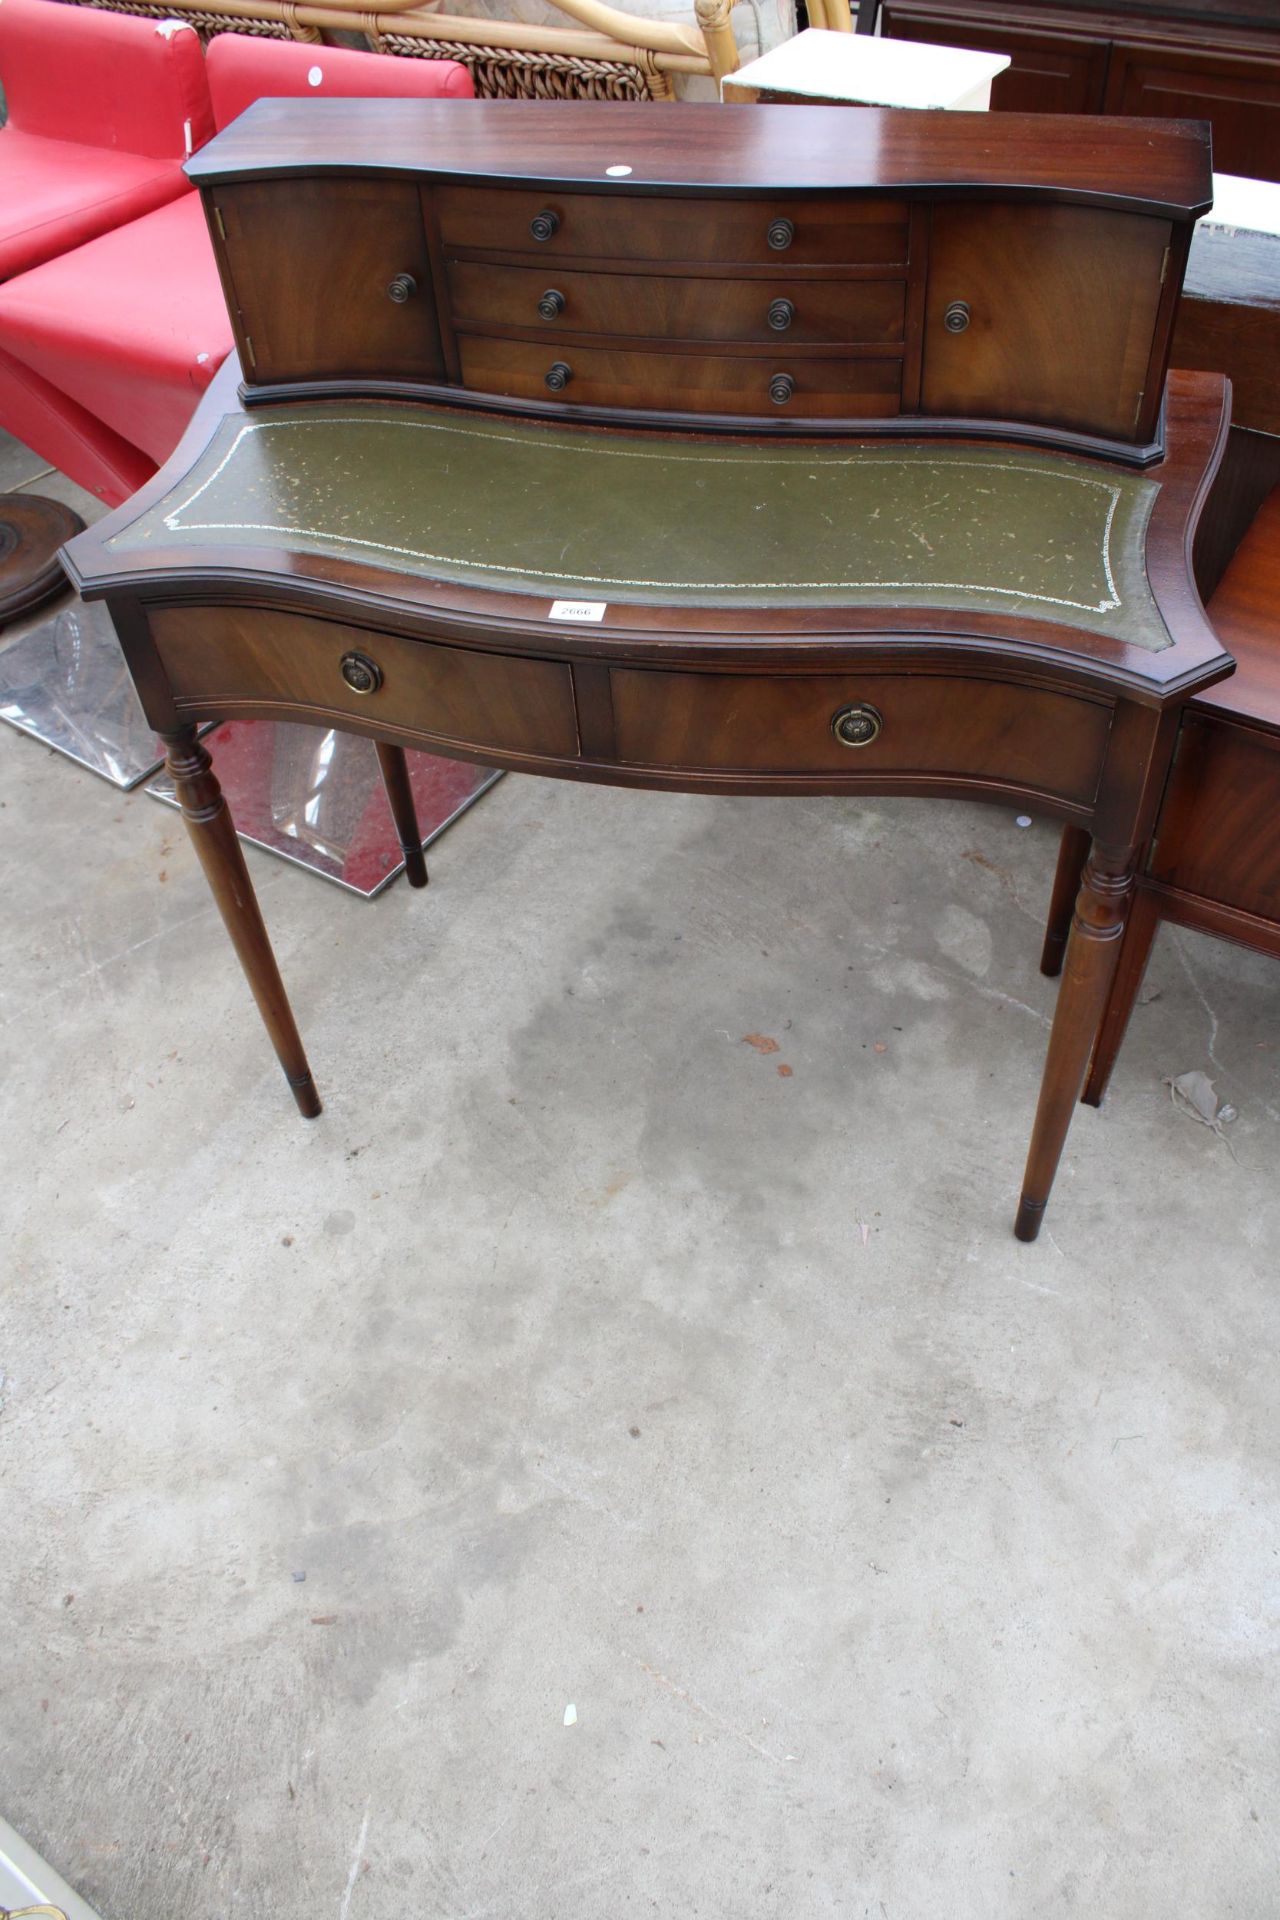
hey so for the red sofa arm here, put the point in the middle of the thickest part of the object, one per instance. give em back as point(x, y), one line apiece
point(105, 80)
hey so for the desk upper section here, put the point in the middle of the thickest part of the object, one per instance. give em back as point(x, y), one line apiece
point(786, 268)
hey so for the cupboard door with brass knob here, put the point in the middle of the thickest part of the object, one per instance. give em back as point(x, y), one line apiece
point(350, 292)
point(1015, 328)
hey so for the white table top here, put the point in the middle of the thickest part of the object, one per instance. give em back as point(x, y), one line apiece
point(875, 72)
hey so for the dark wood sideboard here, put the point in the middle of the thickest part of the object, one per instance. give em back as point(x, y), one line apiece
point(685, 449)
point(1217, 60)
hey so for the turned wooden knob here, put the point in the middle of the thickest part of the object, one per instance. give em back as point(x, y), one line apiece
point(551, 305)
point(558, 376)
point(781, 388)
point(545, 225)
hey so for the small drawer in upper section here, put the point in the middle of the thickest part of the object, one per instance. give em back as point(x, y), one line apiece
point(798, 230)
point(671, 307)
point(328, 277)
point(776, 385)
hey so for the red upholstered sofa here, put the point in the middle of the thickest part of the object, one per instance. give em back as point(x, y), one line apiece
point(103, 110)
point(105, 351)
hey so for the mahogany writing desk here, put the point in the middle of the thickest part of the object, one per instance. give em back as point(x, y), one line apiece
point(659, 584)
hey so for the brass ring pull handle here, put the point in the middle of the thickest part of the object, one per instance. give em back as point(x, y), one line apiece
point(545, 225)
point(781, 314)
point(558, 376)
point(361, 674)
point(781, 388)
point(551, 305)
point(858, 725)
point(402, 288)
point(957, 316)
point(780, 234)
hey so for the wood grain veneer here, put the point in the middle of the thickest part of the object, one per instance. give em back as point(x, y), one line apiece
point(1172, 60)
point(1213, 863)
point(1012, 683)
point(685, 148)
point(463, 246)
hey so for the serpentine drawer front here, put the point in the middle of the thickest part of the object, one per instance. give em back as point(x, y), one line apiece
point(666, 307)
point(682, 383)
point(246, 660)
point(791, 230)
point(863, 723)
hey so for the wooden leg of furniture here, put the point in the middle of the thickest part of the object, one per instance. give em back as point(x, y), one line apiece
point(395, 778)
point(214, 838)
point(1135, 951)
point(1092, 952)
point(1072, 854)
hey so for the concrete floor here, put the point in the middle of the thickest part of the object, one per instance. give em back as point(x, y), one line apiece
point(580, 1354)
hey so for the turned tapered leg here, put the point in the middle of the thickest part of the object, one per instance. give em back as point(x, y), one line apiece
point(395, 778)
point(214, 838)
point(1093, 950)
point(1072, 854)
point(1135, 951)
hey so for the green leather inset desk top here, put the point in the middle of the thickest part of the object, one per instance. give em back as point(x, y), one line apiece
point(582, 513)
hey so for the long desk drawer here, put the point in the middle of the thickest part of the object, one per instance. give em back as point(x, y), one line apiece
point(670, 307)
point(932, 725)
point(782, 384)
point(230, 659)
point(795, 230)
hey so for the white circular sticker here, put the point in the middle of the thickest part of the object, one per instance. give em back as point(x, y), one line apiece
point(617, 173)
point(315, 76)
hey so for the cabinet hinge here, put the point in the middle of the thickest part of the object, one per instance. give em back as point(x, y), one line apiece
point(1164, 264)
point(217, 214)
point(1137, 412)
point(248, 347)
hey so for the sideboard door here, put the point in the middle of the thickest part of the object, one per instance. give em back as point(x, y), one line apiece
point(328, 278)
point(1042, 313)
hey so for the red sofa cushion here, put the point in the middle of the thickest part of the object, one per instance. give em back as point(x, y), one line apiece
point(242, 70)
point(54, 195)
point(132, 326)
